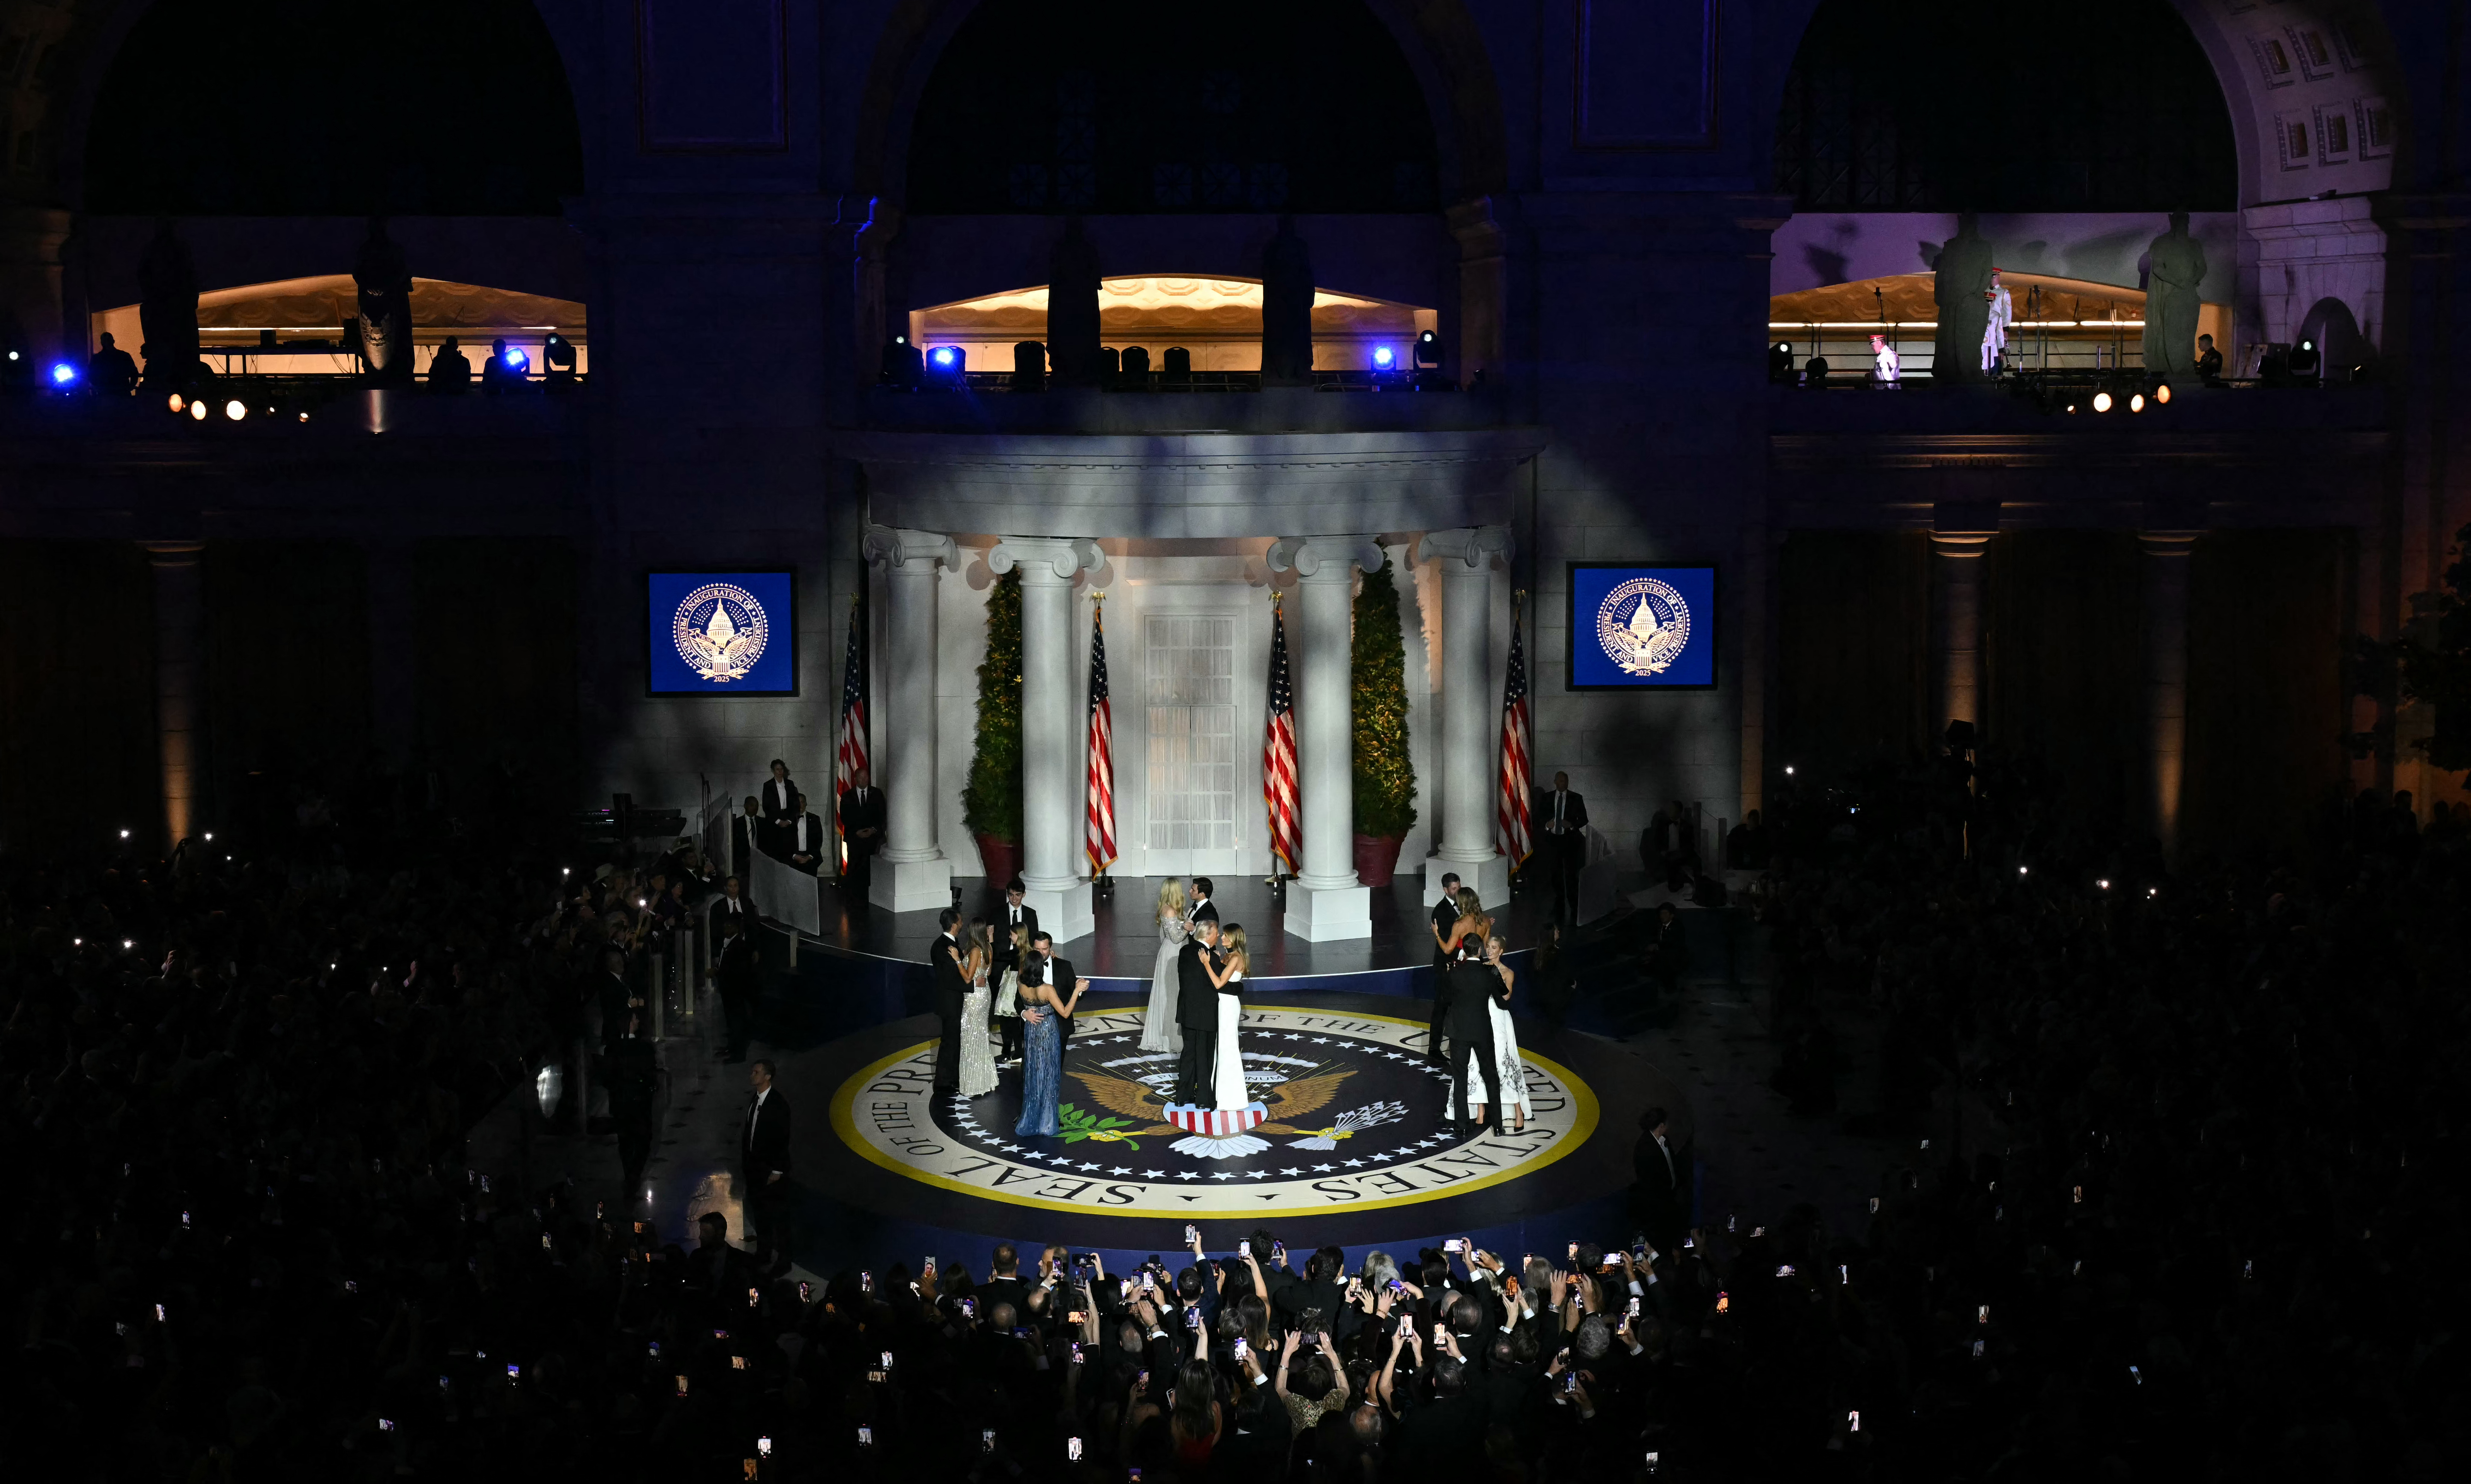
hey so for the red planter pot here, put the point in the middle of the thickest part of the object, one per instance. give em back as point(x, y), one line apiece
point(1376, 858)
point(1002, 859)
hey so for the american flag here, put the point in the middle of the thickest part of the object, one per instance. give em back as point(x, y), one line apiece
point(1098, 838)
point(1517, 759)
point(851, 754)
point(1279, 750)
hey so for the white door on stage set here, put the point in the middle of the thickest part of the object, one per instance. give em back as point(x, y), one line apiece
point(1193, 754)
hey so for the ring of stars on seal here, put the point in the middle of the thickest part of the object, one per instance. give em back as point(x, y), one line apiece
point(1346, 1113)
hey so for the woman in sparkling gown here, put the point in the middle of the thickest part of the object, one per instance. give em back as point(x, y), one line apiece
point(1227, 1078)
point(1159, 1033)
point(977, 1064)
point(1505, 1040)
point(1042, 1048)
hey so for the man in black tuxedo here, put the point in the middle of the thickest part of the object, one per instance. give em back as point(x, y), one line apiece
point(779, 794)
point(1474, 987)
point(803, 841)
point(633, 1075)
point(1203, 909)
point(764, 1164)
point(862, 834)
point(1658, 1193)
point(1446, 913)
point(746, 835)
point(1196, 1014)
point(951, 986)
point(1564, 820)
point(1016, 913)
point(730, 902)
point(734, 974)
point(1059, 973)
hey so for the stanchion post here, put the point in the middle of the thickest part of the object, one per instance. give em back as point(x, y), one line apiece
point(656, 978)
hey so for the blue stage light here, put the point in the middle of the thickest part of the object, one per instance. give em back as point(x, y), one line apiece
point(63, 374)
point(943, 355)
point(1383, 357)
point(516, 360)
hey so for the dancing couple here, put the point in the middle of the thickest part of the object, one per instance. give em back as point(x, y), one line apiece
point(1037, 990)
point(1198, 1012)
point(1474, 987)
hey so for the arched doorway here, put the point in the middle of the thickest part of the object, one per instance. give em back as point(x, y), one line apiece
point(302, 107)
point(1217, 321)
point(1034, 108)
point(1912, 105)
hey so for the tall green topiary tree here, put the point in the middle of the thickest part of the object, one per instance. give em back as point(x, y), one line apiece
point(991, 803)
point(1385, 779)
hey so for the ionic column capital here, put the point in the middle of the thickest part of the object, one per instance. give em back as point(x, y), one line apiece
point(1473, 545)
point(1045, 558)
point(1325, 559)
point(889, 548)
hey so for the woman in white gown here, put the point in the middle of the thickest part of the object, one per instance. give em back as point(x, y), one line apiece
point(1159, 1033)
point(1227, 1079)
point(1505, 1044)
point(977, 1063)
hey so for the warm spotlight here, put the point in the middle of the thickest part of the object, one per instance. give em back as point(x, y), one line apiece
point(197, 412)
point(2102, 401)
point(177, 402)
point(235, 410)
point(2136, 401)
point(2162, 394)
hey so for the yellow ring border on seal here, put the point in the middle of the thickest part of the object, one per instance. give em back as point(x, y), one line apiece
point(1582, 1129)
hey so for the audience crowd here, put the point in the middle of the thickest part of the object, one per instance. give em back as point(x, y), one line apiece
point(2181, 1172)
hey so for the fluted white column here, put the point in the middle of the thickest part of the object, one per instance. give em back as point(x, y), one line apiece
point(1050, 785)
point(2166, 677)
point(1327, 903)
point(911, 873)
point(180, 702)
point(1470, 757)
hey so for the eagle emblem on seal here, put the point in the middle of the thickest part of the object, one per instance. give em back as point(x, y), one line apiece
point(1644, 626)
point(720, 629)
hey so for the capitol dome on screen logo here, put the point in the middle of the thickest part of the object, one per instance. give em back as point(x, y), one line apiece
point(1644, 626)
point(719, 628)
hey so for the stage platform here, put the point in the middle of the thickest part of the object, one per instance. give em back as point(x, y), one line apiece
point(1124, 943)
point(1352, 1146)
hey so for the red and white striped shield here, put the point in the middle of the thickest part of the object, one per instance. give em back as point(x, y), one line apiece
point(1216, 1122)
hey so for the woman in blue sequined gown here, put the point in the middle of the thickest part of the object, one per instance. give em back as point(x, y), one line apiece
point(1041, 1056)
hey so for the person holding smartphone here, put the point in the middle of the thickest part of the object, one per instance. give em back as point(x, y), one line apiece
point(1313, 1387)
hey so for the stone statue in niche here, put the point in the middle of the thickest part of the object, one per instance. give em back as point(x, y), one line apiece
point(385, 281)
point(1072, 335)
point(166, 310)
point(1962, 279)
point(2174, 267)
point(1286, 309)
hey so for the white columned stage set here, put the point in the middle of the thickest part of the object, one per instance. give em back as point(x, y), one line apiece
point(1187, 537)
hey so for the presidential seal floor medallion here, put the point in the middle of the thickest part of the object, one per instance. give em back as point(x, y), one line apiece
point(1344, 1114)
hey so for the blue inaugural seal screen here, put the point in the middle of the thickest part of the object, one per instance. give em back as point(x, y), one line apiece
point(1643, 626)
point(721, 633)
